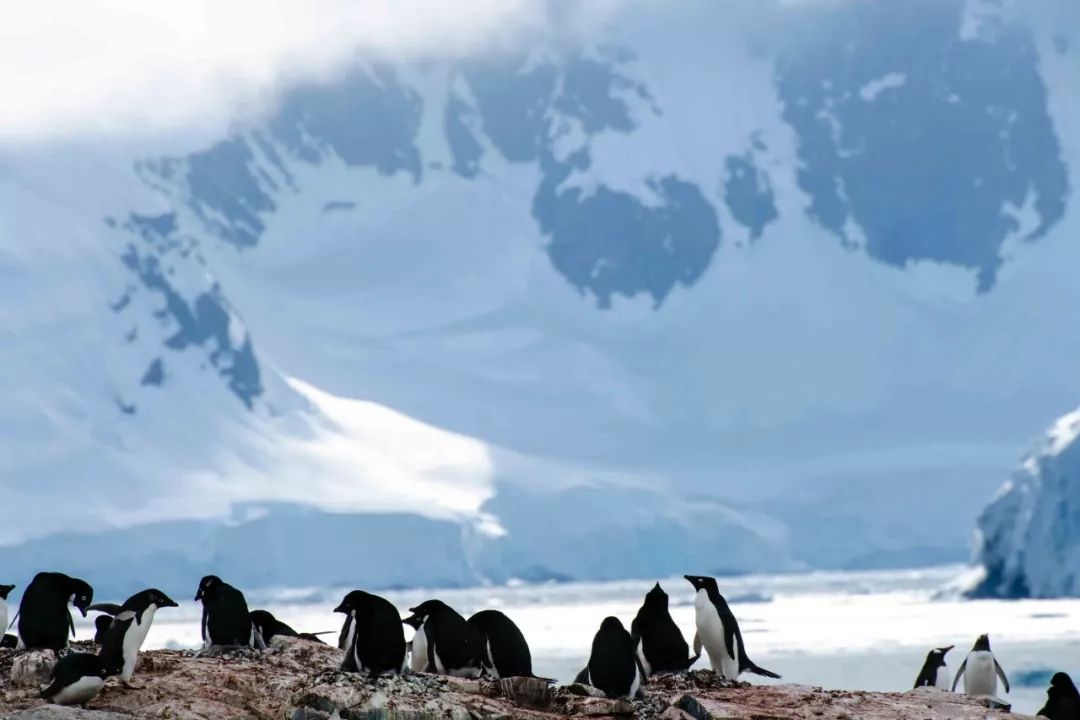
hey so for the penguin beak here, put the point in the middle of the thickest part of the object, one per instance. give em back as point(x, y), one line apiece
point(413, 621)
point(340, 608)
point(169, 602)
point(945, 650)
point(199, 595)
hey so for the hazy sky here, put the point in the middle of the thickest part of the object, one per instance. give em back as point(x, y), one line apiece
point(74, 66)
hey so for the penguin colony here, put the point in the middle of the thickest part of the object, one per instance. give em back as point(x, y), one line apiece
point(487, 644)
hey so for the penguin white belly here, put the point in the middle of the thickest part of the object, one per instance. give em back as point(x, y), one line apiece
point(419, 651)
point(79, 692)
point(641, 656)
point(491, 661)
point(710, 630)
point(351, 635)
point(980, 676)
point(3, 616)
point(944, 678)
point(133, 642)
point(636, 684)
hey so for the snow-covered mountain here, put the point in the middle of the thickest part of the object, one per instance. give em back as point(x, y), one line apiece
point(1027, 541)
point(722, 286)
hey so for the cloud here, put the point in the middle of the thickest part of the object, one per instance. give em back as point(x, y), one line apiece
point(73, 67)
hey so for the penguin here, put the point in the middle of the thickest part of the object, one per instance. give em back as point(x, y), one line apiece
point(444, 642)
point(935, 673)
point(1062, 699)
point(718, 631)
point(44, 620)
point(225, 617)
point(9, 642)
point(503, 650)
point(77, 679)
point(658, 642)
point(5, 590)
point(270, 627)
point(613, 665)
point(126, 633)
point(102, 622)
point(378, 643)
point(980, 670)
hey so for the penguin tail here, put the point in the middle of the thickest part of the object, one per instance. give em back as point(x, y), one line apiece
point(752, 668)
point(549, 681)
point(691, 661)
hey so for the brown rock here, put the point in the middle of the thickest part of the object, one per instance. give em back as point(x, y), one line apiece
point(32, 669)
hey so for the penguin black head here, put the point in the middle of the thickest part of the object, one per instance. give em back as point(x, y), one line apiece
point(81, 594)
point(423, 611)
point(982, 644)
point(1061, 685)
point(262, 618)
point(936, 657)
point(701, 582)
point(142, 600)
point(4, 590)
point(656, 599)
point(102, 623)
point(356, 600)
point(612, 624)
point(111, 670)
point(9, 641)
point(208, 584)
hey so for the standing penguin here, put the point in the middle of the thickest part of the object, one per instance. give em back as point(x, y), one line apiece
point(660, 645)
point(934, 673)
point(44, 620)
point(980, 670)
point(613, 666)
point(5, 590)
point(719, 632)
point(378, 643)
point(1062, 699)
point(444, 643)
point(127, 631)
point(225, 617)
point(503, 650)
point(77, 679)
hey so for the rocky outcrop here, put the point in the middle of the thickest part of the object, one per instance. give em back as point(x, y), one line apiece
point(1028, 540)
point(298, 680)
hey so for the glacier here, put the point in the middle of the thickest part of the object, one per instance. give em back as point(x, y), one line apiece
point(1027, 543)
point(701, 289)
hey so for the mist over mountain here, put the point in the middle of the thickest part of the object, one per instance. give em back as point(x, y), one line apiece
point(710, 288)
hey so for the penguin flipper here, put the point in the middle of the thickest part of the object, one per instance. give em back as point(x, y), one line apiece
point(1001, 674)
point(71, 624)
point(697, 646)
point(752, 668)
point(690, 661)
point(54, 687)
point(956, 680)
point(107, 608)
